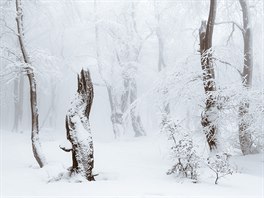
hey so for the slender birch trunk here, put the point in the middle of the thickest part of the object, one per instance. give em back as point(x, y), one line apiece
point(36, 146)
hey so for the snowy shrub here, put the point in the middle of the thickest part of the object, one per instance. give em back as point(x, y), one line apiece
point(186, 161)
point(183, 153)
point(220, 165)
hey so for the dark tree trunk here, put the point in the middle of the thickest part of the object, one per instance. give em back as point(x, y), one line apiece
point(209, 113)
point(78, 128)
point(36, 146)
point(245, 137)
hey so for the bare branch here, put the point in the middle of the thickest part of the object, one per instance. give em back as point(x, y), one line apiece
point(229, 64)
point(233, 23)
point(65, 149)
point(7, 59)
point(5, 24)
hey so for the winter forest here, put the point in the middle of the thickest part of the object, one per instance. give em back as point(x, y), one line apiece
point(144, 98)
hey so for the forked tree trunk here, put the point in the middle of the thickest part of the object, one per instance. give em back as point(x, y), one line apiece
point(130, 85)
point(245, 137)
point(119, 105)
point(36, 146)
point(209, 114)
point(78, 128)
point(116, 116)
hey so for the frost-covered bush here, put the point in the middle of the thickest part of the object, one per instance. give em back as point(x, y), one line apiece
point(220, 165)
point(183, 153)
point(186, 161)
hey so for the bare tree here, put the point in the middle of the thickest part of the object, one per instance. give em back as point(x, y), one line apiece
point(126, 55)
point(245, 133)
point(78, 128)
point(36, 146)
point(245, 138)
point(116, 116)
point(209, 113)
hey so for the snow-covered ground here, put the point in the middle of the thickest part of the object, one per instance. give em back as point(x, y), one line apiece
point(133, 167)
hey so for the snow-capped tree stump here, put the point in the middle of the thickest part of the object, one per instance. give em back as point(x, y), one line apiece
point(78, 128)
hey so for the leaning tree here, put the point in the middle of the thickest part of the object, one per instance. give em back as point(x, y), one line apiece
point(36, 146)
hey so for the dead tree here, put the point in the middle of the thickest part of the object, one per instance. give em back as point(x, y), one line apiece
point(209, 113)
point(245, 133)
point(36, 146)
point(78, 128)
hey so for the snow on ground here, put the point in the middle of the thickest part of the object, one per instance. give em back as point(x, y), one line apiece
point(133, 167)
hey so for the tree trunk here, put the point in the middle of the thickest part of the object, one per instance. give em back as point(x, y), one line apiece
point(210, 111)
point(18, 103)
point(165, 111)
point(161, 63)
point(245, 138)
point(78, 128)
point(135, 118)
point(36, 146)
point(116, 116)
point(130, 83)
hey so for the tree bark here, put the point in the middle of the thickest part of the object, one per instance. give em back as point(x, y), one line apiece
point(245, 138)
point(78, 128)
point(36, 146)
point(210, 111)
